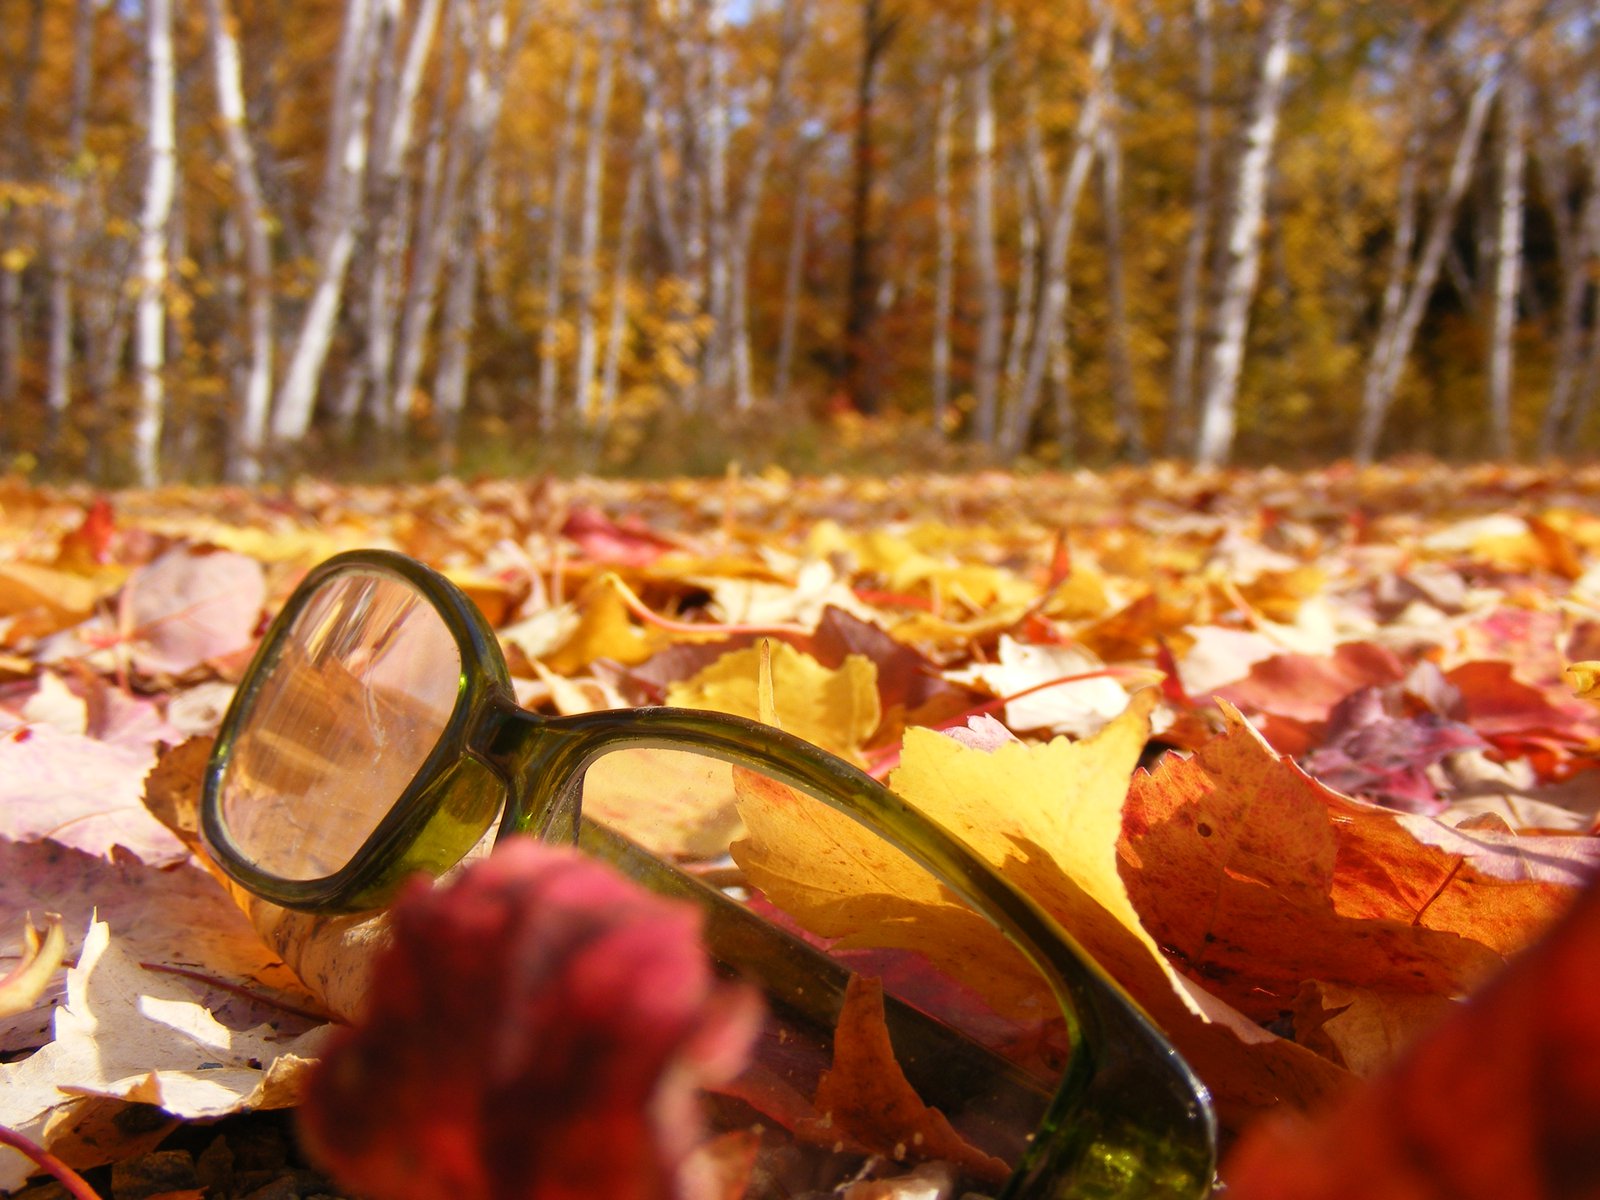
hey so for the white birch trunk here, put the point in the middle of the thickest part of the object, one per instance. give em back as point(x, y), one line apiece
point(1125, 406)
point(160, 184)
point(1393, 344)
point(1180, 417)
point(338, 219)
point(393, 197)
point(1508, 260)
point(718, 359)
point(250, 428)
point(583, 379)
point(1237, 285)
point(1048, 352)
point(490, 46)
point(991, 301)
point(64, 232)
point(794, 19)
point(621, 266)
point(1578, 241)
point(556, 247)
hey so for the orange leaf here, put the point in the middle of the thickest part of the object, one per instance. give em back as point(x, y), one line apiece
point(866, 1100)
point(1500, 1103)
point(1255, 878)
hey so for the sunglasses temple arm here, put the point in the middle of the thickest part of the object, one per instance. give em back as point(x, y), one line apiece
point(1129, 1105)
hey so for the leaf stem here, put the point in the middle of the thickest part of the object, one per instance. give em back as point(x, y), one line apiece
point(65, 1175)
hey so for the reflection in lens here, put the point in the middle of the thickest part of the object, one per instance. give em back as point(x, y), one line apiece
point(812, 899)
point(358, 691)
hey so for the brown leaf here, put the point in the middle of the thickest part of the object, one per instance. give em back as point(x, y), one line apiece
point(866, 1101)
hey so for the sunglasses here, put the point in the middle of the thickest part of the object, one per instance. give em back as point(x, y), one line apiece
point(376, 735)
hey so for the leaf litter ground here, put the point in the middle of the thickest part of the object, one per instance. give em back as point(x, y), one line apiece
point(1296, 756)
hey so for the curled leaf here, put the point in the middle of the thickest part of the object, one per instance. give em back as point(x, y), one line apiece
point(41, 955)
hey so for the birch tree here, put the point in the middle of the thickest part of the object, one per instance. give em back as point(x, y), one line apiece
point(250, 427)
point(1402, 318)
point(64, 224)
point(392, 197)
point(1124, 403)
point(1180, 409)
point(1236, 284)
point(160, 183)
point(556, 244)
point(986, 265)
point(584, 397)
point(1049, 339)
point(1578, 248)
point(621, 266)
point(1507, 257)
point(339, 214)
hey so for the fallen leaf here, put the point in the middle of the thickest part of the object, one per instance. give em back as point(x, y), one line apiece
point(835, 709)
point(865, 1100)
point(130, 1034)
point(176, 919)
point(1230, 858)
point(1501, 1100)
point(187, 608)
point(22, 986)
point(81, 792)
point(1077, 706)
point(582, 1013)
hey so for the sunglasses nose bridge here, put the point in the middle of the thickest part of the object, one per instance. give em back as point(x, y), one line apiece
point(542, 765)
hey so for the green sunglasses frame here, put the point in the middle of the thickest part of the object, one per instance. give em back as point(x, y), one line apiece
point(1129, 1119)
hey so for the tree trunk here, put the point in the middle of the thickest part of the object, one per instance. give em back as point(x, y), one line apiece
point(1508, 260)
point(20, 151)
point(1027, 283)
point(1048, 352)
point(1180, 416)
point(392, 201)
point(991, 301)
point(945, 270)
point(1125, 405)
point(583, 382)
point(859, 376)
point(794, 19)
point(250, 426)
point(556, 248)
point(64, 233)
point(793, 282)
point(160, 183)
point(1393, 344)
point(338, 217)
point(490, 46)
point(1577, 243)
point(1237, 283)
point(621, 265)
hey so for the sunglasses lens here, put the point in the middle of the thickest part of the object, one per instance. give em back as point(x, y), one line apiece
point(815, 900)
point(353, 696)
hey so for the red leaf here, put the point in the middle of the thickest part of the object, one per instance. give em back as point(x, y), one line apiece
point(537, 1030)
point(1500, 1103)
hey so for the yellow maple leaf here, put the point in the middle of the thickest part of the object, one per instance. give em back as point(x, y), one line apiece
point(604, 630)
point(835, 709)
point(1048, 818)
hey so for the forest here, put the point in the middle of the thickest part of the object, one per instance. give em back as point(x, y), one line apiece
point(240, 237)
